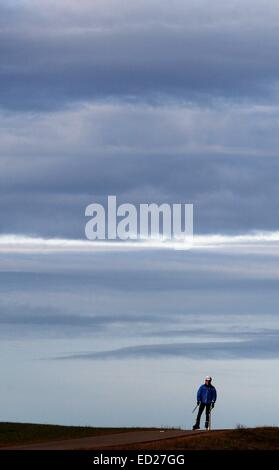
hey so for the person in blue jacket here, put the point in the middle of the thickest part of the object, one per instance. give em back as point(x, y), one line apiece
point(206, 398)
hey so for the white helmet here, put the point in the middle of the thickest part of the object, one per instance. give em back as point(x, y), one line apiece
point(208, 378)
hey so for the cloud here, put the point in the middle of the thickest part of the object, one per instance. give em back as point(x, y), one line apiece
point(257, 241)
point(223, 159)
point(53, 55)
point(174, 102)
point(258, 348)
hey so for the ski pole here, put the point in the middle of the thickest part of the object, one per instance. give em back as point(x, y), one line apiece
point(195, 408)
point(209, 424)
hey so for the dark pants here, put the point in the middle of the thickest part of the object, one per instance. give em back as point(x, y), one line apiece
point(207, 412)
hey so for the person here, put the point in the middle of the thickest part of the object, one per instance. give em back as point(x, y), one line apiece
point(206, 398)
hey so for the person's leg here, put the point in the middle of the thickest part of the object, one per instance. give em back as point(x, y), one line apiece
point(207, 415)
point(201, 408)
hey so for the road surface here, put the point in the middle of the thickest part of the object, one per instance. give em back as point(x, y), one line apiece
point(101, 442)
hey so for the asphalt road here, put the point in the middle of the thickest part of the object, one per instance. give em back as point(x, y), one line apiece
point(101, 442)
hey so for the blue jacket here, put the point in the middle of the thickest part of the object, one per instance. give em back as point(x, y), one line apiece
point(207, 394)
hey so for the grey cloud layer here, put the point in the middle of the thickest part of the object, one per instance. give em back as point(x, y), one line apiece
point(266, 348)
point(146, 100)
point(140, 296)
point(52, 54)
point(223, 159)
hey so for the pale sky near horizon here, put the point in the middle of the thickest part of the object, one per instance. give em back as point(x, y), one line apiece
point(151, 101)
point(110, 338)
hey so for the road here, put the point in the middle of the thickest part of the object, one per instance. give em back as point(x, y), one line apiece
point(101, 442)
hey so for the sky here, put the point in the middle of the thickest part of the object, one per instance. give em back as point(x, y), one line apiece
point(151, 101)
